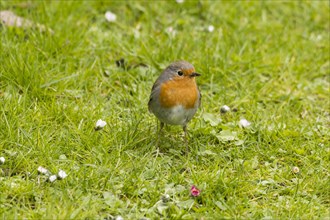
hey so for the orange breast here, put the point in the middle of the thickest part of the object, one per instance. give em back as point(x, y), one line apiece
point(179, 91)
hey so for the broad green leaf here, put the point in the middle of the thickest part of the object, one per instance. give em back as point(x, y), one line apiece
point(227, 135)
point(186, 204)
point(220, 205)
point(212, 119)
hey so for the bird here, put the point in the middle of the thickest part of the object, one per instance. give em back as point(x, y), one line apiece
point(175, 97)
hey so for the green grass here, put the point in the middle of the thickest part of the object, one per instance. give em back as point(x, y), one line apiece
point(270, 60)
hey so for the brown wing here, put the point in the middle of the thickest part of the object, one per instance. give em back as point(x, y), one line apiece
point(149, 103)
point(200, 98)
point(156, 84)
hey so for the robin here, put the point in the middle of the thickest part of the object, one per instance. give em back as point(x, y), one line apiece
point(175, 97)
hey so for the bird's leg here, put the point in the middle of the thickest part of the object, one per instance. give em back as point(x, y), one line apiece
point(161, 126)
point(185, 137)
point(159, 134)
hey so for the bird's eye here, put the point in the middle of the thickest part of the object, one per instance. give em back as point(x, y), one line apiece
point(180, 73)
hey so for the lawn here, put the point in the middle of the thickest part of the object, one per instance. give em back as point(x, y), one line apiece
point(269, 61)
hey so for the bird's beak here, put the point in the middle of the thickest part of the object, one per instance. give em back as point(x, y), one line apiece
point(194, 74)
